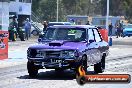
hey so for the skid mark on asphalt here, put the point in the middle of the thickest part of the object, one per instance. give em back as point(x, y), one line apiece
point(119, 65)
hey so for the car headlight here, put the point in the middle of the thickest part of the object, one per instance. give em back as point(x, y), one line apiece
point(68, 53)
point(71, 53)
point(31, 52)
point(76, 53)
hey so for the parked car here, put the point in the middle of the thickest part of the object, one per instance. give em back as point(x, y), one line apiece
point(127, 31)
point(36, 28)
point(68, 47)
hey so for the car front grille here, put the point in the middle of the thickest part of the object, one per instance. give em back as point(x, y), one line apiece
point(48, 54)
point(52, 54)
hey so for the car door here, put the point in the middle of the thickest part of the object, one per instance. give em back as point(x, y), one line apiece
point(100, 43)
point(94, 54)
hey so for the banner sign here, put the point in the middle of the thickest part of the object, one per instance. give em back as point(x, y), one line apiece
point(3, 44)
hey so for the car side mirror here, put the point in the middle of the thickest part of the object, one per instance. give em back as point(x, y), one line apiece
point(39, 39)
point(90, 41)
point(86, 40)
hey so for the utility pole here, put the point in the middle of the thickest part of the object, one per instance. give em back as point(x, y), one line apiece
point(107, 16)
point(57, 12)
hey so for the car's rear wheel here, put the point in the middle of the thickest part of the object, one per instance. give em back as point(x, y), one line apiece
point(99, 67)
point(103, 61)
point(32, 69)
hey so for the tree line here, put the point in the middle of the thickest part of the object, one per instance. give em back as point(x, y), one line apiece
point(46, 9)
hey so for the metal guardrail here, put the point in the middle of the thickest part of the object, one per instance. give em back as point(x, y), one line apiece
point(35, 20)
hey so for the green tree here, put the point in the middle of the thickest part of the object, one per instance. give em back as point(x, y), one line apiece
point(35, 6)
point(46, 9)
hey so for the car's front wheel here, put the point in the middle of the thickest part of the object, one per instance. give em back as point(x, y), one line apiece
point(32, 69)
point(98, 68)
point(81, 67)
point(84, 62)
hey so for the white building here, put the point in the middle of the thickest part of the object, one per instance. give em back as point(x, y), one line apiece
point(21, 9)
point(4, 15)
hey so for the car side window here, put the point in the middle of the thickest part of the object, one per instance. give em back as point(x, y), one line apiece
point(97, 37)
point(90, 34)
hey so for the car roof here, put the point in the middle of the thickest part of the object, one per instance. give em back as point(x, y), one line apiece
point(58, 23)
point(72, 26)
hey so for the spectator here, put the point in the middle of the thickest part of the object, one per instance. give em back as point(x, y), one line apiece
point(45, 24)
point(73, 22)
point(87, 23)
point(121, 28)
point(13, 26)
point(27, 26)
point(118, 32)
point(110, 29)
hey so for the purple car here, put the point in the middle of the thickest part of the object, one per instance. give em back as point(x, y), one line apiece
point(67, 47)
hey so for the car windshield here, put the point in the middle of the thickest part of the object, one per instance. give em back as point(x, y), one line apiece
point(70, 34)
